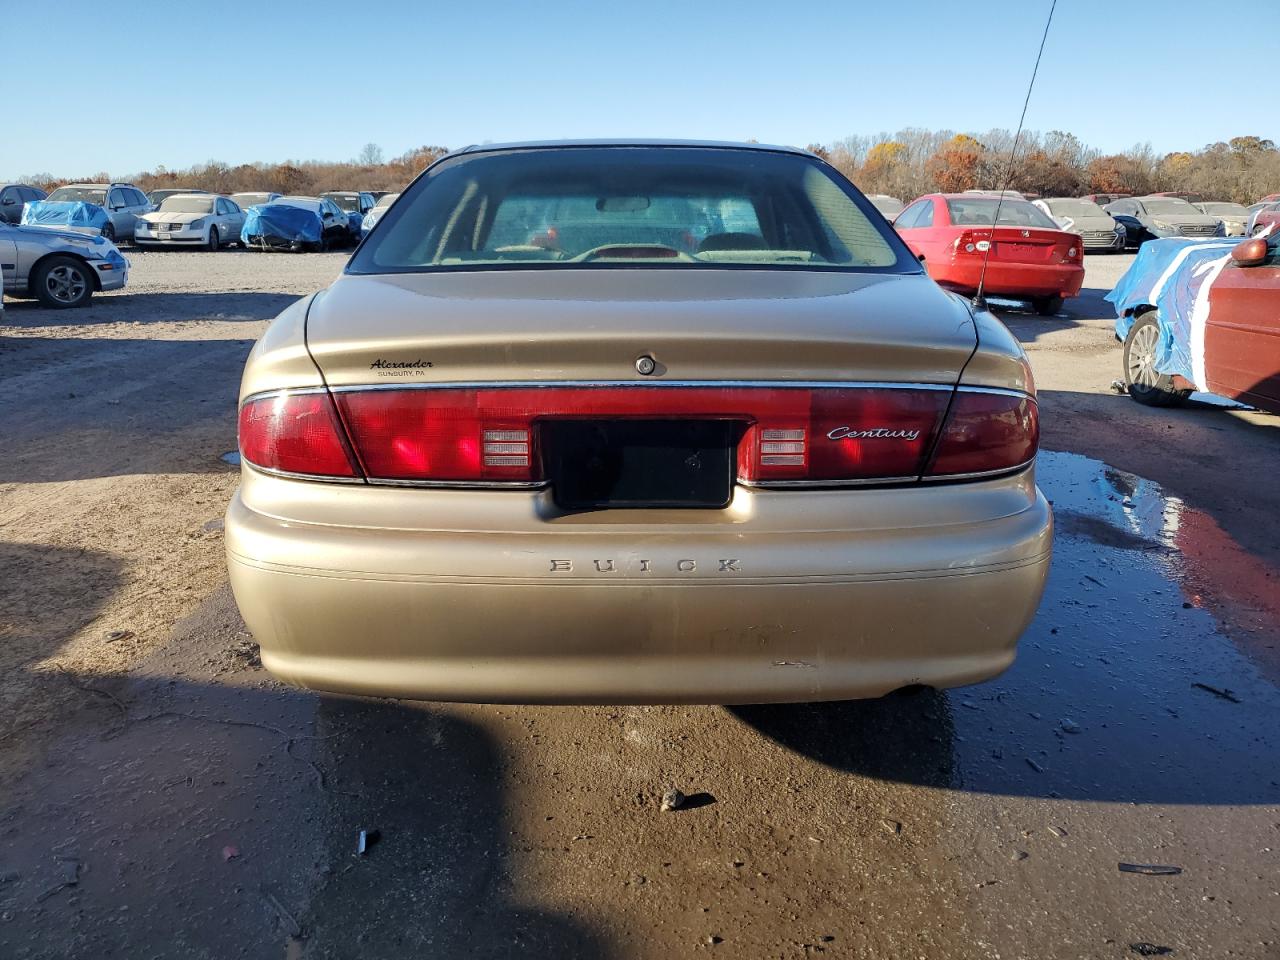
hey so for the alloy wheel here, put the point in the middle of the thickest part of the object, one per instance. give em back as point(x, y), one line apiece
point(66, 284)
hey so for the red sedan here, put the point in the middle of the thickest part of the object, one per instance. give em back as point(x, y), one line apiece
point(1030, 258)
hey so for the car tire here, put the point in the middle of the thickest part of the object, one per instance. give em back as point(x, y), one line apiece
point(1047, 306)
point(109, 231)
point(215, 241)
point(61, 283)
point(1140, 378)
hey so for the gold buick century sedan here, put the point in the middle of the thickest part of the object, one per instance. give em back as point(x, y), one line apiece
point(636, 422)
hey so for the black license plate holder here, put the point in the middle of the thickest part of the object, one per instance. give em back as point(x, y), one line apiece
point(634, 464)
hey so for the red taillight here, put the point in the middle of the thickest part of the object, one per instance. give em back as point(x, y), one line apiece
point(987, 433)
point(803, 434)
point(295, 433)
point(859, 433)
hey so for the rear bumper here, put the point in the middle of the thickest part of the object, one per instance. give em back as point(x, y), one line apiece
point(588, 614)
point(1011, 279)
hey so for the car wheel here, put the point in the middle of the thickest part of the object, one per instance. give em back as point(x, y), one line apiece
point(324, 243)
point(1140, 377)
point(1047, 306)
point(109, 232)
point(62, 282)
point(215, 242)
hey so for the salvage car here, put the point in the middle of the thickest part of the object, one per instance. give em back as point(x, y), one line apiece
point(13, 197)
point(157, 197)
point(1147, 218)
point(889, 206)
point(246, 200)
point(1023, 256)
point(1097, 229)
point(296, 224)
point(379, 208)
point(354, 204)
point(123, 202)
point(191, 220)
point(1232, 216)
point(61, 270)
point(1262, 218)
point(547, 440)
point(1197, 315)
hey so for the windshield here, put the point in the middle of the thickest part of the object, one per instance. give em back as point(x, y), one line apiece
point(386, 200)
point(186, 205)
point(673, 207)
point(1075, 208)
point(80, 194)
point(1225, 209)
point(1168, 205)
point(349, 202)
point(981, 211)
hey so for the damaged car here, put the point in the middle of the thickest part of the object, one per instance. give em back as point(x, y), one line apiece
point(60, 269)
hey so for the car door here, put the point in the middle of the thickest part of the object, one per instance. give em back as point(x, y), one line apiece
point(118, 212)
point(11, 204)
point(9, 259)
point(230, 220)
point(1242, 334)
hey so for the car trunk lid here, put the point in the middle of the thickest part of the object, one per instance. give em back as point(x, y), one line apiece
point(594, 324)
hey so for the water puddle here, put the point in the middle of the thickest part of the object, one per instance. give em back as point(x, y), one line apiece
point(1149, 675)
point(1151, 615)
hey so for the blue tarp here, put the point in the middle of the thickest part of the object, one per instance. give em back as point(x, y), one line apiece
point(282, 221)
point(1173, 275)
point(64, 213)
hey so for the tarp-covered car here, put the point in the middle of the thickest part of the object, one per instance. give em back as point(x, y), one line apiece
point(68, 216)
point(281, 226)
point(58, 268)
point(1201, 315)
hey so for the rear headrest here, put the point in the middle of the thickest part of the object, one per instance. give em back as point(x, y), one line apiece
point(733, 241)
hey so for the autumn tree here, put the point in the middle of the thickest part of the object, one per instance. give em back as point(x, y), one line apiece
point(955, 167)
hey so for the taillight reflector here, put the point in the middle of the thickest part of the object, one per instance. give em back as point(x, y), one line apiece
point(295, 433)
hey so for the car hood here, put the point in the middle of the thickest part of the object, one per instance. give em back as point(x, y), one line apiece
point(592, 324)
point(1183, 219)
point(1090, 223)
point(157, 217)
point(62, 232)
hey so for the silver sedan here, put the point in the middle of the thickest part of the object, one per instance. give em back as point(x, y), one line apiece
point(59, 269)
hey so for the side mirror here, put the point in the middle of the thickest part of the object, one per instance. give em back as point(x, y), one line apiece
point(920, 257)
point(1250, 253)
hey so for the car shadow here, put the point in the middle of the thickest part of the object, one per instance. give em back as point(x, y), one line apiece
point(198, 805)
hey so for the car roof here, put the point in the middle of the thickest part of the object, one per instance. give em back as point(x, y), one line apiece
point(608, 142)
point(193, 196)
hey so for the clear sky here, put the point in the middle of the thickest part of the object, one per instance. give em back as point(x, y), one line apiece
point(124, 86)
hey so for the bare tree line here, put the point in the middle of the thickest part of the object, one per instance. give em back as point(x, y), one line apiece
point(905, 164)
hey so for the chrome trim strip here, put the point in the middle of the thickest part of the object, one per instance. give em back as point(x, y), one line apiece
point(286, 475)
point(463, 484)
point(283, 392)
point(981, 474)
point(528, 384)
point(801, 484)
point(1020, 394)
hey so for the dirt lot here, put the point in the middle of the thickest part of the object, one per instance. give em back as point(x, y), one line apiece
point(161, 796)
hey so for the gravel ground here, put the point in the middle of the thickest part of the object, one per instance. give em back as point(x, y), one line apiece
point(143, 751)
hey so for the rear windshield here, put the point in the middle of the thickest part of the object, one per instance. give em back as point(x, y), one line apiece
point(981, 211)
point(186, 205)
point(79, 195)
point(588, 207)
point(1168, 205)
point(349, 202)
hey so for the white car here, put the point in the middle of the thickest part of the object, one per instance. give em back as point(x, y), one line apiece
point(191, 220)
point(374, 215)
